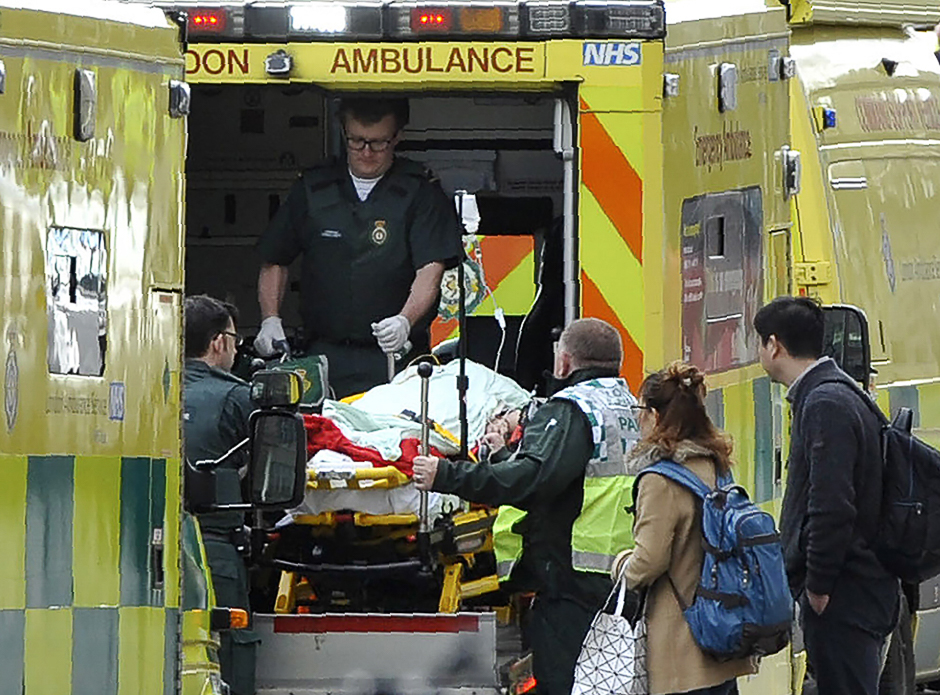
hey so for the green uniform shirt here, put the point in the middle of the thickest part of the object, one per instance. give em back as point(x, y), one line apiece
point(546, 479)
point(216, 406)
point(360, 257)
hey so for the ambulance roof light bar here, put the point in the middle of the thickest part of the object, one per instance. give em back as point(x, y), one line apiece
point(413, 19)
point(313, 20)
point(299, 20)
point(641, 19)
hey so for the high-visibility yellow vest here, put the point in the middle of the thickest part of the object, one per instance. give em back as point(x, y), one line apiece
point(507, 544)
point(603, 528)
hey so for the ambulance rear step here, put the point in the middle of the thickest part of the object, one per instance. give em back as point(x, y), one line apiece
point(369, 654)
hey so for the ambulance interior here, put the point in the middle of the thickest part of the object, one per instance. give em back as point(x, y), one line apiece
point(500, 146)
point(351, 545)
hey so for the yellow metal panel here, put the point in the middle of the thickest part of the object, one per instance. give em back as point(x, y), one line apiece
point(515, 292)
point(13, 530)
point(96, 532)
point(930, 413)
point(608, 261)
point(610, 87)
point(364, 64)
point(739, 423)
point(141, 651)
point(872, 12)
point(48, 651)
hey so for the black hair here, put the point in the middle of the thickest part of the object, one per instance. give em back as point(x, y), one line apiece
point(371, 110)
point(205, 318)
point(797, 322)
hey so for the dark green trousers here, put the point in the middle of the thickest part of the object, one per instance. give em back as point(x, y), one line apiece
point(238, 647)
point(556, 629)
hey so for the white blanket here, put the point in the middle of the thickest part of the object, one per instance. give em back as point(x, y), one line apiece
point(376, 421)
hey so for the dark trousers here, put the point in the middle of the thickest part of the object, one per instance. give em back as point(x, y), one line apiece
point(556, 630)
point(237, 647)
point(844, 659)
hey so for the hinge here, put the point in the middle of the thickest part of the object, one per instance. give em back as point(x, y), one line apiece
point(818, 273)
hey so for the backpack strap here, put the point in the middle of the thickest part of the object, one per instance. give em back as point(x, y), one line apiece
point(869, 403)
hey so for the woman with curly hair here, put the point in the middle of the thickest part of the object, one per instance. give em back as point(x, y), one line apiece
point(667, 556)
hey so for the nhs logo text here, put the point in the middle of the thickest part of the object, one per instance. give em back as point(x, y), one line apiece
point(614, 53)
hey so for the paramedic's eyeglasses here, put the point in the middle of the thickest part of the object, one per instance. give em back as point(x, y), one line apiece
point(359, 144)
point(238, 339)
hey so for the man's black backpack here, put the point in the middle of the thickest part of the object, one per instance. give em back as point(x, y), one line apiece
point(908, 540)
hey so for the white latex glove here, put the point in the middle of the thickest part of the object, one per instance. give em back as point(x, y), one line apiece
point(392, 333)
point(271, 330)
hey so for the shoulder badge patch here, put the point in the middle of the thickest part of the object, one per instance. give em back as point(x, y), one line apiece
point(380, 233)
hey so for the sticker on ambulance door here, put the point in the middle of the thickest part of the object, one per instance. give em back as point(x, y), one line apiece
point(611, 53)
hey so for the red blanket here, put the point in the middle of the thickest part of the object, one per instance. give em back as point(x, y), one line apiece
point(322, 433)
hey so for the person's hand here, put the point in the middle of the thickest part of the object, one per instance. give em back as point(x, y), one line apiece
point(620, 564)
point(817, 602)
point(271, 332)
point(494, 442)
point(425, 468)
point(392, 333)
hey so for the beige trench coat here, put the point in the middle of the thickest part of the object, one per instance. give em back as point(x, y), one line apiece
point(668, 539)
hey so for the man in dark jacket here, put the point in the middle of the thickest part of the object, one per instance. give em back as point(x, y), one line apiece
point(215, 419)
point(848, 601)
point(577, 440)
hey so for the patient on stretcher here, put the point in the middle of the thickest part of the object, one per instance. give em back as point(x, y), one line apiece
point(361, 453)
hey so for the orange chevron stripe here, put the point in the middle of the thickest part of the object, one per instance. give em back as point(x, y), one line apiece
point(594, 305)
point(612, 180)
point(501, 255)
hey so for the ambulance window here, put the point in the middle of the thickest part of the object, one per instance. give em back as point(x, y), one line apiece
point(722, 281)
point(76, 301)
point(715, 236)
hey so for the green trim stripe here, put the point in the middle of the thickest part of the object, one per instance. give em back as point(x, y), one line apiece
point(135, 531)
point(763, 441)
point(12, 651)
point(94, 651)
point(49, 507)
point(171, 650)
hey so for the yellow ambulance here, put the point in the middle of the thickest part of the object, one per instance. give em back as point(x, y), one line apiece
point(103, 586)
point(667, 167)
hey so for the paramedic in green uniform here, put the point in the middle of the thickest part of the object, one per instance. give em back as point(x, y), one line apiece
point(570, 477)
point(376, 233)
point(216, 406)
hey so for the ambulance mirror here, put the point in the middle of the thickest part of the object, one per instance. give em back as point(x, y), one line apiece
point(277, 472)
point(274, 388)
point(846, 341)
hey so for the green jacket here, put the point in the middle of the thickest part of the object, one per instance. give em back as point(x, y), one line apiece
point(546, 479)
point(216, 406)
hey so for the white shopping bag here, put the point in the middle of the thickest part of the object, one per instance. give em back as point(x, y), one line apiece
point(613, 654)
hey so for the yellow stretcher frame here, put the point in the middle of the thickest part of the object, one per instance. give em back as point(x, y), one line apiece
point(292, 587)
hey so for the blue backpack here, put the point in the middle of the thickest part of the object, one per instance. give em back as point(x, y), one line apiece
point(742, 605)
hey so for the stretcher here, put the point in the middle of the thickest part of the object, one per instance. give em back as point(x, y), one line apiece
point(355, 543)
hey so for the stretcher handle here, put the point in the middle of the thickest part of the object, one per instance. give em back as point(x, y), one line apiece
point(424, 371)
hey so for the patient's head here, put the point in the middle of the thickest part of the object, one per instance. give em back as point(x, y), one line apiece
point(504, 423)
point(588, 343)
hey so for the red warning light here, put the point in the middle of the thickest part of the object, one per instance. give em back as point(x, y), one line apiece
point(207, 21)
point(437, 19)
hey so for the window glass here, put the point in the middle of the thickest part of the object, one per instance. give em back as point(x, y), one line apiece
point(76, 301)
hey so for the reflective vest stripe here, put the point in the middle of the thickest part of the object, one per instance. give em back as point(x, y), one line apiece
point(592, 562)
